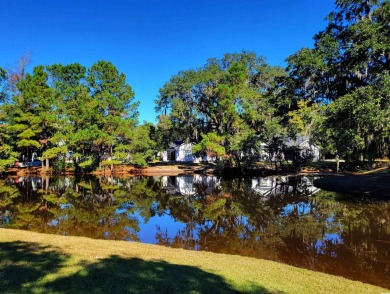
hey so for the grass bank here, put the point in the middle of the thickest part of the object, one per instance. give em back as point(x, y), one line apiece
point(39, 263)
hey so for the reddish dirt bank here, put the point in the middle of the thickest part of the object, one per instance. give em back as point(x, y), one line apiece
point(151, 170)
point(124, 170)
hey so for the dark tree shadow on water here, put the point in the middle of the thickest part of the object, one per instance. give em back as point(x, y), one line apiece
point(110, 275)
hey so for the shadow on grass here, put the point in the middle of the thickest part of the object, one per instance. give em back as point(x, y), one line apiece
point(119, 275)
point(23, 264)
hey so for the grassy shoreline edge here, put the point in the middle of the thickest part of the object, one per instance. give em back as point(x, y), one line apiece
point(41, 262)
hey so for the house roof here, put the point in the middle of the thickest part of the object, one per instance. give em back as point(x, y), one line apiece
point(299, 140)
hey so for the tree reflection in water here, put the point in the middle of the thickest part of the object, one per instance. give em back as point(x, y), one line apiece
point(279, 218)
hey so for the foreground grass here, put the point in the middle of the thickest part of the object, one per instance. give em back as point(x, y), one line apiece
point(39, 263)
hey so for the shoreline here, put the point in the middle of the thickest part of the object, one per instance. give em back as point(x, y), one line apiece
point(374, 182)
point(187, 169)
point(118, 171)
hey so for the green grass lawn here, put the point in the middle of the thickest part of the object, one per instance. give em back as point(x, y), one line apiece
point(40, 263)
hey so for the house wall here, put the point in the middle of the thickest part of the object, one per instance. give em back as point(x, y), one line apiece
point(164, 156)
point(184, 153)
point(313, 149)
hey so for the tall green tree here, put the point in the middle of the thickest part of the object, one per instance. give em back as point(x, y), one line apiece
point(223, 106)
point(62, 108)
point(115, 110)
point(29, 114)
point(346, 72)
point(67, 82)
point(139, 147)
point(357, 125)
point(97, 112)
point(349, 53)
point(7, 154)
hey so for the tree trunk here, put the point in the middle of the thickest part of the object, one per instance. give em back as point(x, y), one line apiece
point(111, 156)
point(238, 161)
point(47, 184)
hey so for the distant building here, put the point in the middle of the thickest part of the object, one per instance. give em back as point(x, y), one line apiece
point(182, 152)
point(178, 151)
point(307, 147)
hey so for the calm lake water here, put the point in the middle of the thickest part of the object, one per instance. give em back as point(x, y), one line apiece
point(277, 218)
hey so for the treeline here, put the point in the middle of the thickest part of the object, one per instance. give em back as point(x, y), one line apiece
point(336, 94)
point(59, 109)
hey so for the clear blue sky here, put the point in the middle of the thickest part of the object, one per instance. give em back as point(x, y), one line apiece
point(151, 40)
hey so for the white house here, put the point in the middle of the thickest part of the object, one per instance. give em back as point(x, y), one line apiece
point(182, 152)
point(306, 147)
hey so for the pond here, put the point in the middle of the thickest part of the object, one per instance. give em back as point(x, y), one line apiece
point(285, 219)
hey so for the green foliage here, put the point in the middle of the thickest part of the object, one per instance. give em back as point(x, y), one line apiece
point(54, 152)
point(347, 70)
point(335, 94)
point(7, 154)
point(138, 148)
point(223, 107)
point(3, 79)
point(110, 162)
point(86, 163)
point(61, 108)
point(358, 123)
point(304, 119)
point(210, 142)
